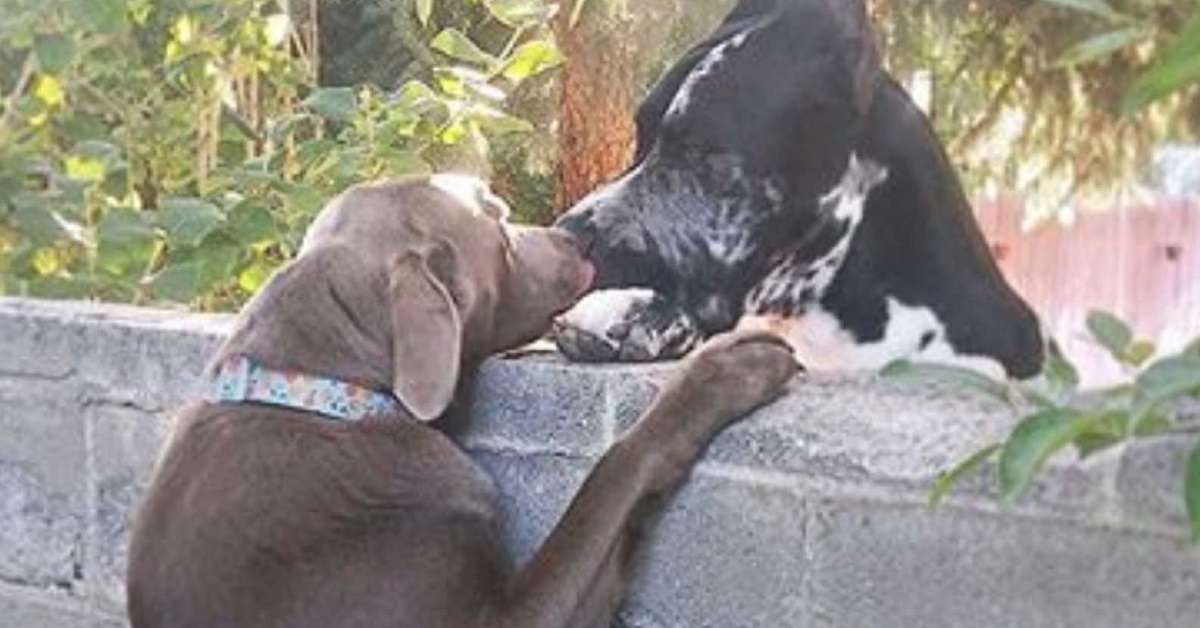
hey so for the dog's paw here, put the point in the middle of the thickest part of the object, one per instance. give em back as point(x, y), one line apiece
point(626, 325)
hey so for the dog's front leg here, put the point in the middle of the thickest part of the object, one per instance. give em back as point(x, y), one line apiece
point(581, 562)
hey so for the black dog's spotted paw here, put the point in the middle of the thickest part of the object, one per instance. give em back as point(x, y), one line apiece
point(629, 325)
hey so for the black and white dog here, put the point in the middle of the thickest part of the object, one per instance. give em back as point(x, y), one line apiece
point(783, 180)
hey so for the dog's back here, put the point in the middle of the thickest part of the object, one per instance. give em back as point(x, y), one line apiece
point(263, 516)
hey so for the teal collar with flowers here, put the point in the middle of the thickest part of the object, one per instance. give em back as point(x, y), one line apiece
point(239, 379)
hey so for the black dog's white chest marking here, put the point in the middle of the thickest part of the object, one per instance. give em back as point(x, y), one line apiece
point(803, 275)
point(787, 301)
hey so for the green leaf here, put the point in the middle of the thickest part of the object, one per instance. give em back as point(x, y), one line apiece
point(1103, 430)
point(1177, 67)
point(1193, 348)
point(1091, 444)
point(452, 43)
point(59, 287)
point(100, 16)
point(1112, 333)
point(35, 220)
point(218, 255)
point(1165, 380)
point(1153, 424)
point(517, 14)
point(53, 52)
point(179, 283)
point(530, 59)
point(302, 200)
point(403, 162)
point(333, 103)
point(952, 375)
point(254, 276)
point(49, 91)
point(1191, 491)
point(125, 244)
point(1102, 45)
point(85, 168)
point(1138, 353)
point(1031, 443)
point(1061, 375)
point(253, 224)
point(1094, 7)
point(948, 479)
point(424, 10)
point(123, 227)
point(188, 220)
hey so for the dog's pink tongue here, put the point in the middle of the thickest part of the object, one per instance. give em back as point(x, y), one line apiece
point(587, 275)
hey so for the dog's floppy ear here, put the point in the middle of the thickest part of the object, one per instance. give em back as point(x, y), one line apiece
point(856, 23)
point(427, 336)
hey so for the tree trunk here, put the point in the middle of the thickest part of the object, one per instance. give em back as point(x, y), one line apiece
point(596, 102)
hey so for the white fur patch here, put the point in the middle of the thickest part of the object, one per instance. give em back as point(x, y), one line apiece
point(798, 283)
point(676, 229)
point(473, 192)
point(599, 314)
point(704, 69)
point(822, 344)
point(603, 309)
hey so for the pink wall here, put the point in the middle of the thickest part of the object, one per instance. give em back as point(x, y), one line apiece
point(1139, 262)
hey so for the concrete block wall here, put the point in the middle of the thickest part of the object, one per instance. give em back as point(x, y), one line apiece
point(808, 514)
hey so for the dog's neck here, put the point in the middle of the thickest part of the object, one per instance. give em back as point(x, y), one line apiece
point(920, 247)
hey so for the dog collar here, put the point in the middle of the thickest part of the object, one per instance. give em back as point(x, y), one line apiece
point(239, 379)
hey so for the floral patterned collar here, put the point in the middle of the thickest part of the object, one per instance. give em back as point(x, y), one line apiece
point(239, 379)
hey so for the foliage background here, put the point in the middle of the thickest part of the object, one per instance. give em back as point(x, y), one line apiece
point(173, 150)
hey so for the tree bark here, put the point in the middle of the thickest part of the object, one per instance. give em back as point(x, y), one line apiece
point(596, 102)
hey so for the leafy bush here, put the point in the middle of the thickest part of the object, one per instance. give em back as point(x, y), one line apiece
point(174, 150)
point(1059, 415)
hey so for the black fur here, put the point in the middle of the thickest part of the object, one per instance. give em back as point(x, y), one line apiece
point(767, 133)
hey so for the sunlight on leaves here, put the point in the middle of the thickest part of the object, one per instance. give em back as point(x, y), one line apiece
point(532, 58)
point(452, 43)
point(1191, 490)
point(49, 91)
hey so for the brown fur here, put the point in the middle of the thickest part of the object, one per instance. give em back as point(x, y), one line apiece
point(268, 517)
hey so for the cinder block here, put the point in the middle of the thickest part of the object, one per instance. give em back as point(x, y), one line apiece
point(534, 492)
point(1150, 482)
point(125, 446)
point(22, 611)
point(43, 485)
point(724, 555)
point(541, 404)
point(777, 533)
point(864, 428)
point(875, 566)
point(151, 358)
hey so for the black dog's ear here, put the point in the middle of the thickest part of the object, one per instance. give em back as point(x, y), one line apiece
point(650, 114)
point(860, 42)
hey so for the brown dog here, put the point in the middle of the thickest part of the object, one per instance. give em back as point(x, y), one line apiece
point(261, 515)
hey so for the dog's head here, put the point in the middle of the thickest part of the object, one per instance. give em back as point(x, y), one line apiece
point(738, 145)
point(429, 276)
